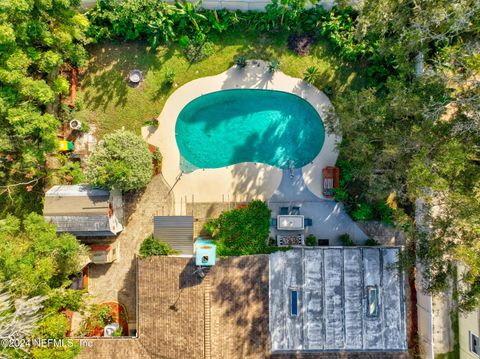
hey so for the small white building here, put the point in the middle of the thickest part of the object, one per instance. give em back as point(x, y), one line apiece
point(469, 335)
point(84, 211)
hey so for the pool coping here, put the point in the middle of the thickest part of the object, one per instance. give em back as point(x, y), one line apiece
point(244, 181)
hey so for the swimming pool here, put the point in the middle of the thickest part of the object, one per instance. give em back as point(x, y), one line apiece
point(244, 125)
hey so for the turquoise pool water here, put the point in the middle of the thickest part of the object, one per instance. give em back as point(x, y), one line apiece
point(232, 126)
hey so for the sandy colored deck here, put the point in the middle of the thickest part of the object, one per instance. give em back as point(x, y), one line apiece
point(243, 181)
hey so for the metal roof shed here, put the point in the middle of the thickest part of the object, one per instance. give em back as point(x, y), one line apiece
point(84, 211)
point(177, 231)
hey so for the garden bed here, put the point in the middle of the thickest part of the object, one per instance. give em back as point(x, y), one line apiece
point(102, 315)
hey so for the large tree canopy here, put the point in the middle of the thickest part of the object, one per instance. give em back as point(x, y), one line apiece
point(417, 134)
point(121, 161)
point(36, 262)
point(37, 38)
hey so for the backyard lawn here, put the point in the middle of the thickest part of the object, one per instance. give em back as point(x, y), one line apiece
point(111, 104)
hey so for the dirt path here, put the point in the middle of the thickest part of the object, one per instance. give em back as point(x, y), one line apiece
point(117, 281)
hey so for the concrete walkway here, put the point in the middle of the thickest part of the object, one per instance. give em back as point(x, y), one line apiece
point(243, 181)
point(117, 281)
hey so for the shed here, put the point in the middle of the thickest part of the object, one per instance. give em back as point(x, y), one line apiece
point(84, 211)
point(176, 231)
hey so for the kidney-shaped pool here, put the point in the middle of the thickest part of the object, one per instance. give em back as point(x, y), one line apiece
point(243, 125)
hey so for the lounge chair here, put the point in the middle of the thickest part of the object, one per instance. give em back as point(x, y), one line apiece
point(283, 211)
point(273, 222)
point(307, 222)
point(295, 211)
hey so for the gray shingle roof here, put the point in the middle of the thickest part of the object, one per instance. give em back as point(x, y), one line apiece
point(79, 209)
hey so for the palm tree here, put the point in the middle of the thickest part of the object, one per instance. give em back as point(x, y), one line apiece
point(311, 74)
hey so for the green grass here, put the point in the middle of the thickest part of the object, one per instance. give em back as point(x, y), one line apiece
point(111, 104)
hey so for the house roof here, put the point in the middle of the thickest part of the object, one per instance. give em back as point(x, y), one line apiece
point(173, 317)
point(77, 200)
point(344, 299)
point(79, 209)
point(82, 225)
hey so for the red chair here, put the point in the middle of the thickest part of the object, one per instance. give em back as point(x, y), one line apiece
point(331, 178)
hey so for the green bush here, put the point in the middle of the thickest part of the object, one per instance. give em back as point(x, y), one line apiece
point(196, 52)
point(311, 240)
point(69, 172)
point(169, 77)
point(241, 61)
point(311, 74)
point(363, 212)
point(346, 240)
point(242, 231)
point(122, 161)
point(155, 247)
point(384, 212)
point(273, 66)
point(371, 242)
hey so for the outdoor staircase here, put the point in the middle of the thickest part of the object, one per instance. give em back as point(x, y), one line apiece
point(207, 318)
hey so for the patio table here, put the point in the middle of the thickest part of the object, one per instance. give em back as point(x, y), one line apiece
point(290, 222)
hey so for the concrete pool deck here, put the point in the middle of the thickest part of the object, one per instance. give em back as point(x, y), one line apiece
point(243, 181)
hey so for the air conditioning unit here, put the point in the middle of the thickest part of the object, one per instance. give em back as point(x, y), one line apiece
point(104, 253)
point(75, 124)
point(110, 329)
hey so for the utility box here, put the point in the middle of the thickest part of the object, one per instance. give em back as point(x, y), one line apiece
point(205, 252)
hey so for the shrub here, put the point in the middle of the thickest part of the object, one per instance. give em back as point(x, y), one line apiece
point(98, 317)
point(363, 212)
point(169, 77)
point(198, 51)
point(155, 247)
point(241, 61)
point(273, 66)
point(122, 161)
point(384, 212)
point(301, 44)
point(118, 332)
point(328, 90)
point(242, 231)
point(371, 242)
point(311, 74)
point(346, 240)
point(69, 172)
point(311, 240)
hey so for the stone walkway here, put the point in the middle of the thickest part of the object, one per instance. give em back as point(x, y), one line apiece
point(117, 281)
